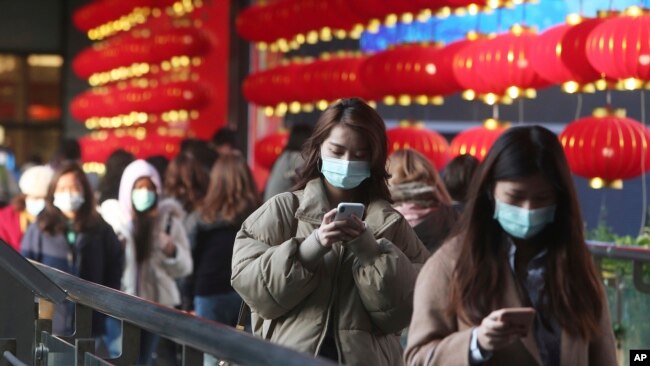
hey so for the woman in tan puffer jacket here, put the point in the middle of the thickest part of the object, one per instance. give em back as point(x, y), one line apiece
point(340, 289)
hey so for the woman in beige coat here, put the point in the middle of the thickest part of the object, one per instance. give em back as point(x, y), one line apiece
point(520, 244)
point(340, 289)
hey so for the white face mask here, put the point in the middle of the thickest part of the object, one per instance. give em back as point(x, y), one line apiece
point(34, 205)
point(68, 202)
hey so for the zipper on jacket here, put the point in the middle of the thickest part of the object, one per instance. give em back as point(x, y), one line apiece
point(330, 305)
point(335, 317)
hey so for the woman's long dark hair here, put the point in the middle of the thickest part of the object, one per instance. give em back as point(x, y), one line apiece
point(186, 180)
point(51, 220)
point(109, 186)
point(143, 223)
point(360, 117)
point(572, 284)
point(232, 194)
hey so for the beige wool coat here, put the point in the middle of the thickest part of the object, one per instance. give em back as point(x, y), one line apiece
point(438, 338)
point(364, 288)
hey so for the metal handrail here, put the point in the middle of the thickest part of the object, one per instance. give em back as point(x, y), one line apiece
point(639, 257)
point(12, 359)
point(623, 252)
point(207, 336)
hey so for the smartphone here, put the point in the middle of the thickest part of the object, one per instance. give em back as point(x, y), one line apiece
point(345, 210)
point(521, 318)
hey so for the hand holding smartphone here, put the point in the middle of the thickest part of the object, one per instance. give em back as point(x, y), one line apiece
point(345, 210)
point(519, 318)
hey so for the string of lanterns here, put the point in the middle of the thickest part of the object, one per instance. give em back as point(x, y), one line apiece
point(145, 92)
point(611, 51)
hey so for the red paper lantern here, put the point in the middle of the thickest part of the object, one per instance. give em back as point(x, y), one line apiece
point(269, 148)
point(546, 57)
point(145, 47)
point(113, 101)
point(477, 141)
point(607, 145)
point(342, 79)
point(101, 12)
point(620, 48)
point(499, 65)
point(429, 143)
point(413, 70)
point(273, 86)
point(379, 9)
point(574, 50)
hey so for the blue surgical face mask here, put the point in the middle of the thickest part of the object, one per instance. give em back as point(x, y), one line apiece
point(345, 174)
point(523, 223)
point(143, 199)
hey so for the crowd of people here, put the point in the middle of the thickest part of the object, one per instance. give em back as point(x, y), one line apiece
point(485, 263)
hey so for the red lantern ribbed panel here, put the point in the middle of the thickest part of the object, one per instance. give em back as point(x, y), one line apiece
point(412, 70)
point(113, 101)
point(494, 65)
point(608, 147)
point(101, 12)
point(546, 57)
point(269, 148)
point(475, 141)
point(430, 143)
point(620, 47)
point(379, 9)
point(464, 66)
point(128, 49)
point(261, 23)
point(344, 79)
point(574, 52)
point(273, 86)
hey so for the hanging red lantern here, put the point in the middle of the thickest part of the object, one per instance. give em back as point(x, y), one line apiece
point(499, 66)
point(477, 141)
point(144, 47)
point(342, 79)
point(113, 101)
point(273, 86)
point(429, 143)
point(380, 9)
point(464, 65)
point(269, 148)
point(606, 147)
point(546, 58)
point(413, 69)
point(574, 50)
point(619, 47)
point(97, 13)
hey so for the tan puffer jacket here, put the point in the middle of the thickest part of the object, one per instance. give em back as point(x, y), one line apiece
point(364, 287)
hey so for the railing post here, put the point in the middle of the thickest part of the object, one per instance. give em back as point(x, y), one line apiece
point(192, 356)
point(43, 324)
point(639, 283)
point(82, 346)
point(16, 314)
point(130, 345)
point(83, 319)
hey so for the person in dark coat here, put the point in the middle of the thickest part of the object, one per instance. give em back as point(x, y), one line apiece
point(69, 235)
point(231, 197)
